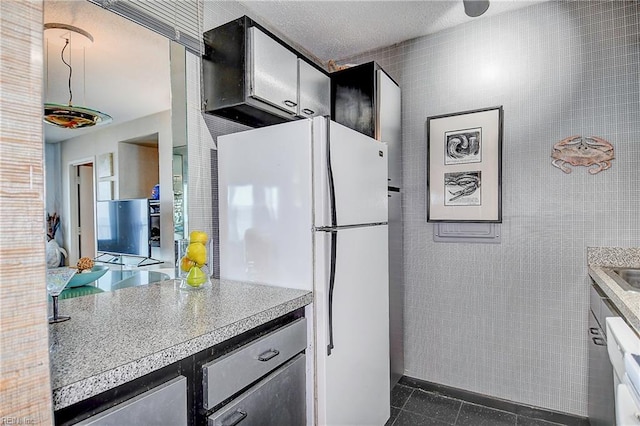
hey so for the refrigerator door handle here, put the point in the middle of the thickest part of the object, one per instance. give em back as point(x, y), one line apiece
point(334, 236)
point(332, 281)
point(332, 188)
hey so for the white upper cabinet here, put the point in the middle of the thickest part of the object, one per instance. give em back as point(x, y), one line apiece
point(314, 91)
point(274, 72)
point(252, 77)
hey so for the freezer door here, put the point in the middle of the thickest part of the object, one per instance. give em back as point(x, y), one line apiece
point(350, 175)
point(353, 381)
point(265, 205)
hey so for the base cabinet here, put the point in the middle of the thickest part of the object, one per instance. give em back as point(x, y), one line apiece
point(163, 405)
point(276, 400)
point(252, 373)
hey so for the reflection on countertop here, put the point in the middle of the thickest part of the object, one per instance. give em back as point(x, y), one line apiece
point(599, 260)
point(116, 279)
point(117, 336)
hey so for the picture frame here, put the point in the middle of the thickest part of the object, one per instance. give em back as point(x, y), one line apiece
point(105, 165)
point(464, 166)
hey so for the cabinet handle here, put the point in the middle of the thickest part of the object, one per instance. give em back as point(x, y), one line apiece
point(594, 330)
point(266, 356)
point(308, 111)
point(290, 103)
point(234, 418)
point(599, 341)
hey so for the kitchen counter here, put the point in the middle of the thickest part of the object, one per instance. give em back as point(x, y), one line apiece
point(115, 337)
point(627, 302)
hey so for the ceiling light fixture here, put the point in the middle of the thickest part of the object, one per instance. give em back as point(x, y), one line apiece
point(475, 8)
point(70, 116)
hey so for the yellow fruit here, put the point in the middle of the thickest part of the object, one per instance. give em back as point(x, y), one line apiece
point(186, 264)
point(195, 277)
point(198, 237)
point(198, 253)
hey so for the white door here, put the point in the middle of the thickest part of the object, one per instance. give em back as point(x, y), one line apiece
point(86, 209)
point(353, 379)
point(358, 172)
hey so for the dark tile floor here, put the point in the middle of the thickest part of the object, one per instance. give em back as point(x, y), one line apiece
point(411, 406)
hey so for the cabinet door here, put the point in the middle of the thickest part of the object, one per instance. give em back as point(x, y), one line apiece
point(163, 405)
point(315, 91)
point(273, 72)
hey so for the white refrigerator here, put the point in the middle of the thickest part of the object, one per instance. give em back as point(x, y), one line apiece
point(304, 205)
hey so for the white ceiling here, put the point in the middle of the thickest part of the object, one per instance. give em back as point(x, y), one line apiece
point(127, 66)
point(339, 29)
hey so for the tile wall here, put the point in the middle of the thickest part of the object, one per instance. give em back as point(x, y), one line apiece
point(510, 320)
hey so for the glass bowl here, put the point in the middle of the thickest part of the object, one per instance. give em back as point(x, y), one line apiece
point(85, 278)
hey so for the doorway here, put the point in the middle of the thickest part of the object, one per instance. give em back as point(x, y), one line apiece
point(83, 211)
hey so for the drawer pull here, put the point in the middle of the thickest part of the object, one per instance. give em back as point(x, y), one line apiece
point(266, 356)
point(599, 341)
point(234, 418)
point(594, 330)
point(308, 111)
point(289, 103)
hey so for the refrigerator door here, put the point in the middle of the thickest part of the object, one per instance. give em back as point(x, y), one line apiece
point(353, 381)
point(265, 205)
point(350, 176)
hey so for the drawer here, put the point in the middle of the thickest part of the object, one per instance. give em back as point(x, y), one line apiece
point(163, 405)
point(230, 373)
point(279, 399)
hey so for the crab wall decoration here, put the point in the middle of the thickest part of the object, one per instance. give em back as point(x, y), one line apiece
point(582, 151)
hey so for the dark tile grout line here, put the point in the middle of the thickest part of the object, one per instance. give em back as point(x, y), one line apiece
point(405, 403)
point(458, 415)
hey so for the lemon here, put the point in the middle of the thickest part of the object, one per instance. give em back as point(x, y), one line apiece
point(198, 237)
point(186, 264)
point(195, 277)
point(197, 253)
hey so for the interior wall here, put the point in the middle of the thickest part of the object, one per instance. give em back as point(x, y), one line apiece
point(202, 129)
point(106, 140)
point(510, 320)
point(53, 183)
point(25, 392)
point(137, 170)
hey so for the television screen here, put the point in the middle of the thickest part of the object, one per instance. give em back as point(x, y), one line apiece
point(123, 227)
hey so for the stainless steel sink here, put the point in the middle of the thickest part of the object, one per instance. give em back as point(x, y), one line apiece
point(627, 278)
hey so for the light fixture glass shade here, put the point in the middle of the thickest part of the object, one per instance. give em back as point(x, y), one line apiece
point(73, 117)
point(475, 8)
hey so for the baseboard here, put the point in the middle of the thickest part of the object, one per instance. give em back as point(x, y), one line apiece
point(497, 403)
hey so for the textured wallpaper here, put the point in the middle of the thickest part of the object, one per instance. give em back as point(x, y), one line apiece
point(510, 320)
point(25, 393)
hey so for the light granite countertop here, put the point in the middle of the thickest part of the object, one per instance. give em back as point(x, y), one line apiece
point(115, 337)
point(601, 258)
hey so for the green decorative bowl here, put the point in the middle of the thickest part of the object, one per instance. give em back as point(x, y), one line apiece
point(85, 278)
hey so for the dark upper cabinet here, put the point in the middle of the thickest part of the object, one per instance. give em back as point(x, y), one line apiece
point(366, 99)
point(252, 77)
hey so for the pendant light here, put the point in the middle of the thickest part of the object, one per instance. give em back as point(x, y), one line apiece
point(71, 116)
point(475, 8)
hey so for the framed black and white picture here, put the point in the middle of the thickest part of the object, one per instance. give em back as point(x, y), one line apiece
point(464, 160)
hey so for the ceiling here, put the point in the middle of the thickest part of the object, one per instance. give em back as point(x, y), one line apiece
point(339, 29)
point(125, 71)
